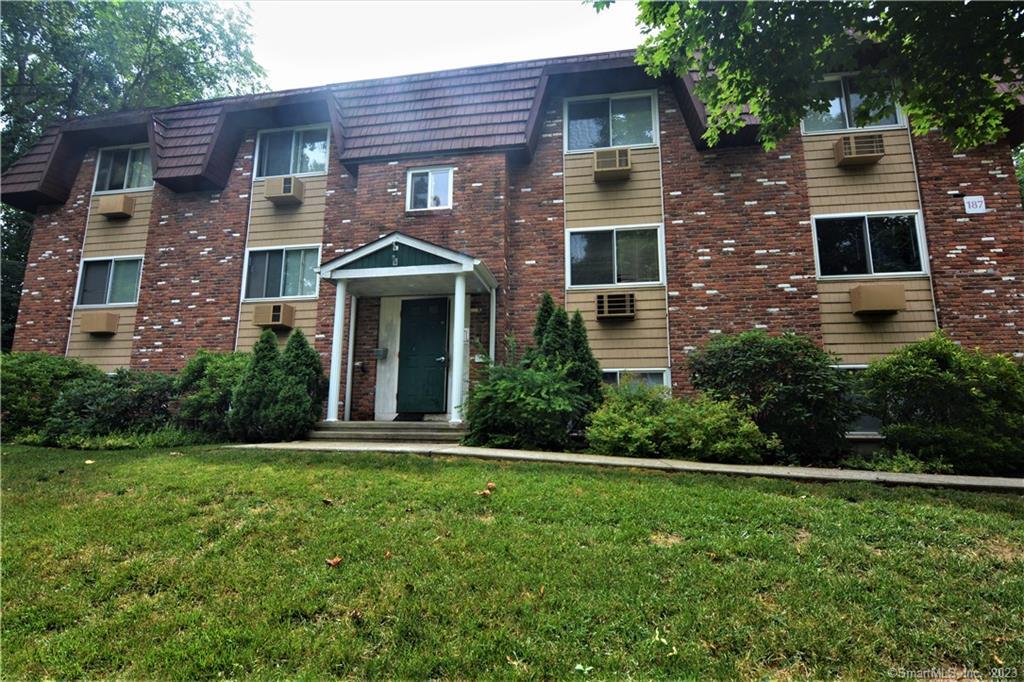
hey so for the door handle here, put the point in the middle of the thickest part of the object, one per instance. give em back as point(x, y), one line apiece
point(440, 359)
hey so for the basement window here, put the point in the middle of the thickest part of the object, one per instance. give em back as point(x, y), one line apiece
point(109, 281)
point(429, 189)
point(296, 151)
point(868, 245)
point(123, 168)
point(282, 273)
point(614, 256)
point(648, 377)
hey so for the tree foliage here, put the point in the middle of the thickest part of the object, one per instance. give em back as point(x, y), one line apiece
point(954, 67)
point(70, 59)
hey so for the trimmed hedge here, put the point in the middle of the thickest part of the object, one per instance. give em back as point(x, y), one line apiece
point(204, 387)
point(32, 383)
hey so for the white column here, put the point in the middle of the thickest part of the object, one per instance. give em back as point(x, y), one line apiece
point(351, 357)
point(458, 365)
point(334, 380)
point(491, 329)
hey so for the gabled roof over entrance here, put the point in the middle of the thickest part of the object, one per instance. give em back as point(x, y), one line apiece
point(397, 264)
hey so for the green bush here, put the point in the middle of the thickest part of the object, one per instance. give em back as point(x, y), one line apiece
point(583, 366)
point(945, 405)
point(788, 382)
point(637, 420)
point(895, 460)
point(128, 401)
point(269, 404)
point(519, 405)
point(31, 384)
point(302, 361)
point(165, 437)
point(204, 387)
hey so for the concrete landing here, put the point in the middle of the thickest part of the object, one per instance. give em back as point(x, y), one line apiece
point(989, 483)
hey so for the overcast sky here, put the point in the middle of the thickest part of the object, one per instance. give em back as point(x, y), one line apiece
point(304, 43)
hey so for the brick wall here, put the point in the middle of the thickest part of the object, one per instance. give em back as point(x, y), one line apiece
point(738, 240)
point(977, 260)
point(51, 274)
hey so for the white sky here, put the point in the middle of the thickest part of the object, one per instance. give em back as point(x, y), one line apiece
point(303, 43)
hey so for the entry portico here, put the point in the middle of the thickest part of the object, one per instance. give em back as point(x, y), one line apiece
point(424, 341)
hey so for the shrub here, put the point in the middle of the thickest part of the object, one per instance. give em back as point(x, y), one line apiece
point(302, 361)
point(643, 421)
point(128, 401)
point(584, 368)
point(166, 437)
point(895, 460)
point(205, 386)
point(519, 405)
point(32, 383)
point(544, 312)
point(268, 404)
point(788, 382)
point(943, 404)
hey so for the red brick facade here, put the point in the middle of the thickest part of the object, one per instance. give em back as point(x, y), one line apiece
point(739, 247)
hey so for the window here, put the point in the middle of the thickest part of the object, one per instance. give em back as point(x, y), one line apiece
point(650, 377)
point(292, 152)
point(281, 273)
point(621, 121)
point(844, 101)
point(616, 256)
point(123, 168)
point(429, 189)
point(868, 245)
point(110, 281)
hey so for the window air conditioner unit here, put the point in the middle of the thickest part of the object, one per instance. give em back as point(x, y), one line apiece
point(616, 306)
point(116, 206)
point(612, 164)
point(274, 315)
point(99, 323)
point(859, 150)
point(283, 191)
point(878, 299)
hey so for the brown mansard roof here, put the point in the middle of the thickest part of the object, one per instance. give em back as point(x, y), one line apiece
point(490, 107)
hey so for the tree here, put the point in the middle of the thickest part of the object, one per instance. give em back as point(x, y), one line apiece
point(952, 66)
point(300, 360)
point(555, 344)
point(70, 59)
point(544, 311)
point(269, 403)
point(584, 368)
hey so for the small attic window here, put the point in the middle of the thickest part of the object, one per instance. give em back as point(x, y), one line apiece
point(295, 151)
point(123, 168)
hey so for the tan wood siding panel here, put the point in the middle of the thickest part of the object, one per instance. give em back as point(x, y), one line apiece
point(634, 201)
point(271, 225)
point(248, 333)
point(118, 236)
point(888, 185)
point(106, 352)
point(638, 343)
point(859, 340)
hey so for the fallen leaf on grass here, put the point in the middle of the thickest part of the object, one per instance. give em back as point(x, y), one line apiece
point(335, 562)
point(484, 493)
point(175, 453)
point(491, 485)
point(998, 660)
point(89, 461)
point(328, 502)
point(387, 554)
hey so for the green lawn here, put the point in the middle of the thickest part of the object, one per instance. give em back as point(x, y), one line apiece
point(211, 562)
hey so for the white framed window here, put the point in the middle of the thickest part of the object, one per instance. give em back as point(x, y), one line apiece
point(292, 151)
point(869, 244)
point(109, 281)
point(122, 169)
point(429, 189)
point(288, 272)
point(650, 377)
point(628, 119)
point(844, 100)
point(610, 256)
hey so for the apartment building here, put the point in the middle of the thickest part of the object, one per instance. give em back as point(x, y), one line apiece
point(409, 225)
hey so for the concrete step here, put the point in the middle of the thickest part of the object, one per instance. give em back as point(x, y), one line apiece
point(388, 426)
point(376, 436)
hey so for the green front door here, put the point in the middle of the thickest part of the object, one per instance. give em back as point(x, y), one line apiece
point(423, 355)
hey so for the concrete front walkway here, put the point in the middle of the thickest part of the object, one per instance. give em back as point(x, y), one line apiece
point(992, 483)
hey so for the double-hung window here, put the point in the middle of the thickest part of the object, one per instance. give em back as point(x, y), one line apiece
point(110, 281)
point(649, 377)
point(614, 256)
point(869, 245)
point(282, 273)
point(123, 168)
point(844, 100)
point(616, 121)
point(429, 188)
point(292, 152)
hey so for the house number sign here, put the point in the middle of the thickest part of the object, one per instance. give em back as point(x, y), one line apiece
point(974, 204)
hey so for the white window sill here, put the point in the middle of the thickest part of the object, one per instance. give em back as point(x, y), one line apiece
point(854, 131)
point(621, 285)
point(881, 275)
point(428, 209)
point(291, 175)
point(645, 145)
point(281, 299)
point(101, 306)
point(130, 190)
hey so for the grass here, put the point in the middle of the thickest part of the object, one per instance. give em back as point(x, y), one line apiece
point(211, 562)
